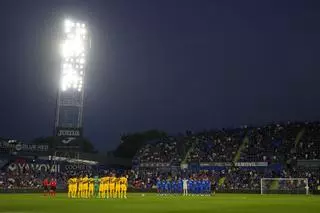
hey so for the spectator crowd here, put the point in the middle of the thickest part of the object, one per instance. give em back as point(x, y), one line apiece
point(283, 144)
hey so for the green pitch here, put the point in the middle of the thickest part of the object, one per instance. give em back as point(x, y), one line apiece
point(136, 203)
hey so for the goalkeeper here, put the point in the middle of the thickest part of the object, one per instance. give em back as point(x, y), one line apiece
point(96, 186)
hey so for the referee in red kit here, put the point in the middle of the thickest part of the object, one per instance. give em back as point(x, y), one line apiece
point(45, 185)
point(53, 187)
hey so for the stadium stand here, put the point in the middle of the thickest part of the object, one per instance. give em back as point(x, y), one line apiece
point(233, 159)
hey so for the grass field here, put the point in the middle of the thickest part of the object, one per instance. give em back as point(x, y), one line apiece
point(226, 203)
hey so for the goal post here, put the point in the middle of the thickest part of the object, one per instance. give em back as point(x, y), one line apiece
point(284, 186)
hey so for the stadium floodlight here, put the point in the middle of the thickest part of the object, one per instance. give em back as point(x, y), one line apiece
point(73, 52)
point(74, 46)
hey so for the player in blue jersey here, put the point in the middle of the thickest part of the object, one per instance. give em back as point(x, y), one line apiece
point(203, 187)
point(173, 187)
point(195, 186)
point(163, 187)
point(179, 186)
point(208, 187)
point(190, 186)
point(168, 187)
point(198, 189)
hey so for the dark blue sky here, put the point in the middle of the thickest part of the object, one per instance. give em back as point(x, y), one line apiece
point(167, 64)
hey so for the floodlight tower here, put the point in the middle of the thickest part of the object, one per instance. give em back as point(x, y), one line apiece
point(74, 55)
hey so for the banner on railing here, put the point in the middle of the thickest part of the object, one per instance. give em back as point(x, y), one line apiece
point(309, 163)
point(36, 167)
point(237, 164)
point(154, 165)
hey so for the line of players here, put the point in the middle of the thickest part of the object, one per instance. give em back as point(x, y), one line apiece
point(184, 186)
point(95, 187)
point(49, 186)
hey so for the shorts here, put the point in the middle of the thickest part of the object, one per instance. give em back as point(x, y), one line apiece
point(123, 188)
point(53, 188)
point(45, 188)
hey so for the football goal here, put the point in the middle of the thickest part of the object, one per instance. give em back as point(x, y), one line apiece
point(284, 186)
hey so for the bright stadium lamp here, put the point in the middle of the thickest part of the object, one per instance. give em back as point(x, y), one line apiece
point(73, 53)
point(70, 36)
point(83, 31)
point(68, 25)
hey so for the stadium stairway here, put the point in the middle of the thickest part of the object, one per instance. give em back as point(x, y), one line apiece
point(221, 181)
point(185, 159)
point(275, 184)
point(236, 158)
point(298, 138)
point(241, 148)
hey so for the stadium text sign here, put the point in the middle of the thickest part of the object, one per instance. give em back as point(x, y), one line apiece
point(24, 147)
point(69, 132)
point(77, 167)
point(44, 167)
point(239, 164)
point(154, 165)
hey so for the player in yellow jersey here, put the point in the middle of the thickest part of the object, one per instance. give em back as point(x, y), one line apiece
point(118, 188)
point(70, 187)
point(124, 187)
point(112, 186)
point(91, 187)
point(85, 187)
point(80, 188)
point(74, 187)
point(106, 186)
point(102, 193)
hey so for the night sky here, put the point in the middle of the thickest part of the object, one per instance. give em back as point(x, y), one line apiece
point(165, 64)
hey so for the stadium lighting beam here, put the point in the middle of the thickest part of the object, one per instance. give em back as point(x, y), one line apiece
point(73, 53)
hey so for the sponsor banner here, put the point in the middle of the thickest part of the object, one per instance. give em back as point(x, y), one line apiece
point(76, 167)
point(154, 165)
point(69, 132)
point(40, 167)
point(24, 147)
point(238, 164)
point(251, 164)
point(309, 163)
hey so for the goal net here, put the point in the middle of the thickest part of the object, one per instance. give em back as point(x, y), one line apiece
point(284, 186)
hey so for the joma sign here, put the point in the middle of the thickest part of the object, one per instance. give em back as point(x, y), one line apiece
point(74, 133)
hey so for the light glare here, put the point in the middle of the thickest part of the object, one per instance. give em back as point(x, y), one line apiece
point(73, 52)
